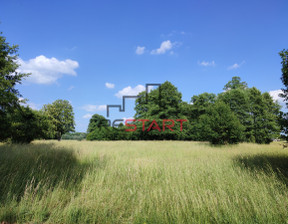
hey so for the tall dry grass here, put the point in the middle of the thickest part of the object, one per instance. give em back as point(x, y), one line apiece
point(143, 182)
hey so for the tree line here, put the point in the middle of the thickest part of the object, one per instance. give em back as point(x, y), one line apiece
point(238, 114)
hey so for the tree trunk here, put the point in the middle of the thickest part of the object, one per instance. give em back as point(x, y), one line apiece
point(59, 136)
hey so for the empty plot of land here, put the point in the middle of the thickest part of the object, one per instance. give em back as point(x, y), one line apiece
point(143, 182)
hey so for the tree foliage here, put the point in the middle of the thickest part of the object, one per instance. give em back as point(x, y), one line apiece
point(9, 77)
point(200, 103)
point(283, 118)
point(26, 125)
point(221, 125)
point(164, 103)
point(61, 117)
point(284, 77)
point(74, 136)
point(97, 121)
point(235, 83)
point(256, 111)
point(235, 115)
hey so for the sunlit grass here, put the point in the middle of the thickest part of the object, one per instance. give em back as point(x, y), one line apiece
point(143, 182)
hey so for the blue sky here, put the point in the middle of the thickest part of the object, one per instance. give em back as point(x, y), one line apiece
point(73, 48)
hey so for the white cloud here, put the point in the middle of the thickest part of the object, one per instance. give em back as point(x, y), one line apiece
point(47, 70)
point(109, 85)
point(94, 108)
point(140, 50)
point(275, 95)
point(235, 66)
point(70, 88)
point(164, 47)
point(206, 63)
point(129, 91)
point(87, 116)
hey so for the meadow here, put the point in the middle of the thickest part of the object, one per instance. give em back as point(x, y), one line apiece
point(143, 182)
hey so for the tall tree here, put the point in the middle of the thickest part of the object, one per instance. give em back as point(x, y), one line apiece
point(9, 77)
point(238, 101)
point(283, 118)
point(284, 56)
point(61, 115)
point(264, 114)
point(164, 102)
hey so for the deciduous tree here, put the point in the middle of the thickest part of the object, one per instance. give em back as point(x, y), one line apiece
point(61, 116)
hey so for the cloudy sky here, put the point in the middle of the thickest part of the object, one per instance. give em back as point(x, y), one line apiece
point(93, 52)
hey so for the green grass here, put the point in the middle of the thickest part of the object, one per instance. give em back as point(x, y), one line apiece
point(143, 182)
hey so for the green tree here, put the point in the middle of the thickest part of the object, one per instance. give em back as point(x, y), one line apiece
point(61, 116)
point(74, 136)
point(235, 83)
point(238, 101)
point(26, 125)
point(97, 121)
point(9, 77)
point(256, 111)
point(283, 119)
point(264, 114)
point(200, 103)
point(283, 123)
point(284, 78)
point(164, 102)
point(220, 125)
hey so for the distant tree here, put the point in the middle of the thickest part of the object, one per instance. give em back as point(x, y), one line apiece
point(220, 125)
point(106, 134)
point(97, 121)
point(9, 77)
point(74, 136)
point(61, 116)
point(235, 83)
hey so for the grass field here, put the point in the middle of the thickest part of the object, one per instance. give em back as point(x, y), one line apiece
point(143, 182)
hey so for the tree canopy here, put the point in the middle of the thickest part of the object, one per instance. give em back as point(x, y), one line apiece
point(61, 116)
point(235, 83)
